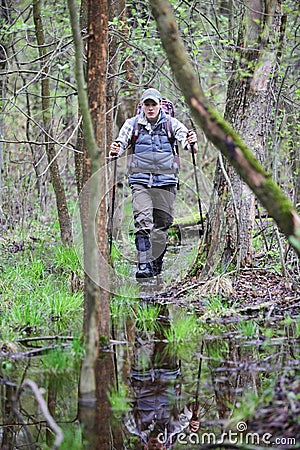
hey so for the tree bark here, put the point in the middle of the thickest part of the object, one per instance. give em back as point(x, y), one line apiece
point(4, 16)
point(220, 132)
point(60, 196)
point(96, 283)
point(82, 173)
point(97, 87)
point(249, 108)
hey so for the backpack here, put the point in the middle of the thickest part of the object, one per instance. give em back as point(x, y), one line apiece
point(168, 107)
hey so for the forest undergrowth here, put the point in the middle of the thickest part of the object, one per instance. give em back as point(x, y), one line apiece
point(42, 285)
point(41, 292)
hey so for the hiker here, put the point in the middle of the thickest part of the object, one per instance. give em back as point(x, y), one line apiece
point(158, 414)
point(153, 176)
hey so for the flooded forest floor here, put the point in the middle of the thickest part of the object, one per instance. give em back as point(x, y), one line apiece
point(260, 299)
point(242, 331)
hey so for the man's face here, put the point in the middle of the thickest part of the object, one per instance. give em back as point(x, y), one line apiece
point(151, 109)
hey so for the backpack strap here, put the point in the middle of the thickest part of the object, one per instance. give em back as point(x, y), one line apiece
point(167, 126)
point(174, 144)
point(135, 133)
point(170, 133)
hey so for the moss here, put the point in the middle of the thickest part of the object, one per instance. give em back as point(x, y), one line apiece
point(277, 204)
point(189, 219)
point(103, 340)
point(237, 141)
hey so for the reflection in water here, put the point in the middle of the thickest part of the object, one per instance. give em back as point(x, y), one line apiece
point(161, 380)
point(157, 414)
point(95, 416)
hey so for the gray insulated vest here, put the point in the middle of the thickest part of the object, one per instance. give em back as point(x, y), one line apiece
point(153, 161)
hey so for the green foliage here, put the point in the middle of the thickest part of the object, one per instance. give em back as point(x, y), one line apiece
point(66, 260)
point(250, 402)
point(121, 265)
point(119, 400)
point(18, 26)
point(77, 349)
point(123, 304)
point(42, 302)
point(73, 438)
point(123, 268)
point(58, 361)
point(248, 328)
point(182, 329)
point(146, 317)
point(216, 304)
point(218, 350)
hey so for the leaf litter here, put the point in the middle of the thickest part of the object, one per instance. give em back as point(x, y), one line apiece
point(263, 296)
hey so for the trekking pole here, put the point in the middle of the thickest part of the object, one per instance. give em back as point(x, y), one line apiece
point(113, 199)
point(201, 232)
point(196, 403)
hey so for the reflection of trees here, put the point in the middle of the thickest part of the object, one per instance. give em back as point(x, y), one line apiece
point(157, 413)
point(22, 423)
point(230, 374)
point(35, 412)
point(38, 397)
point(95, 415)
point(8, 392)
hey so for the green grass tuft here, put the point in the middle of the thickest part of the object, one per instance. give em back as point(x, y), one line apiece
point(35, 296)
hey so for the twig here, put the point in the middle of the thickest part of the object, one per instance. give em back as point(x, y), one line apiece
point(45, 338)
point(62, 146)
point(192, 286)
point(44, 408)
point(39, 351)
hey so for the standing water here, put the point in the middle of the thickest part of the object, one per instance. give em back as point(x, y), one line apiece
point(169, 380)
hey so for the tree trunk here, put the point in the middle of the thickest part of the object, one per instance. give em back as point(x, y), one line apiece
point(4, 17)
point(96, 418)
point(97, 85)
point(249, 108)
point(219, 131)
point(60, 196)
point(82, 173)
point(96, 286)
point(116, 9)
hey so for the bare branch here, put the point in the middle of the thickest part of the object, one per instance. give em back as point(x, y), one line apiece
point(220, 132)
point(44, 408)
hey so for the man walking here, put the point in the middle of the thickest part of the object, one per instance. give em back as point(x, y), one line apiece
point(153, 176)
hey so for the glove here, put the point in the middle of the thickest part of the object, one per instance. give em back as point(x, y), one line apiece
point(192, 141)
point(114, 150)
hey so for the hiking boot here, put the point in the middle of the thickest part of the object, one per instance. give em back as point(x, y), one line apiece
point(145, 271)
